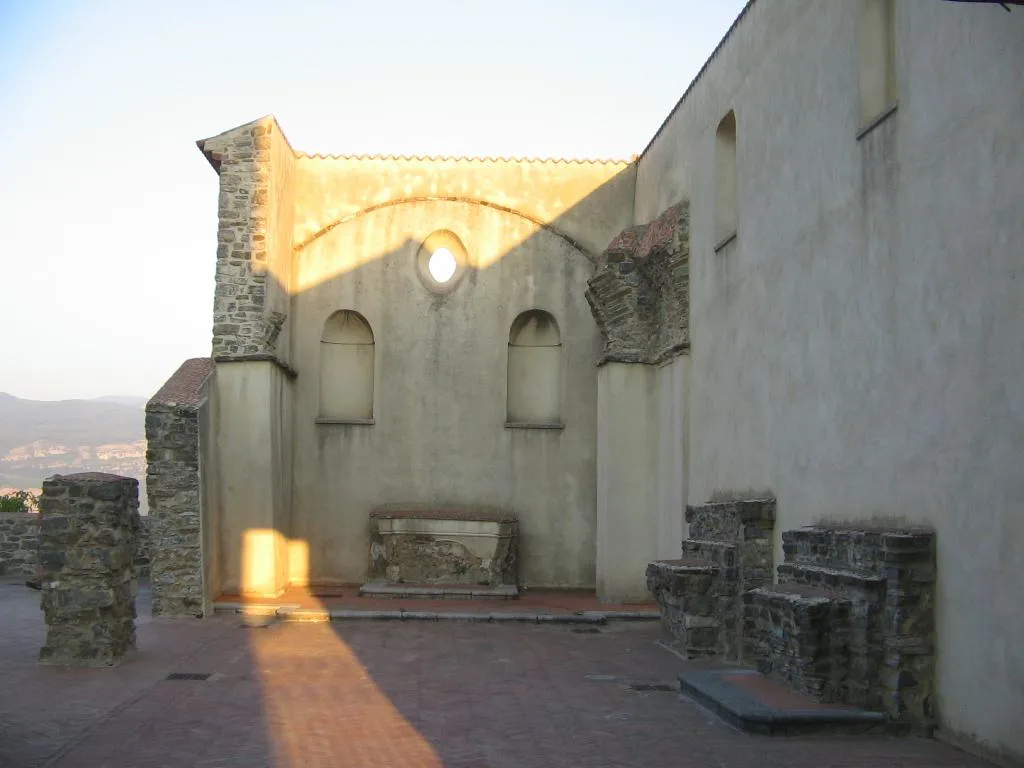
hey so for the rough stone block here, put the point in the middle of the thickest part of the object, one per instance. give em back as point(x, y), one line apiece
point(420, 544)
point(89, 525)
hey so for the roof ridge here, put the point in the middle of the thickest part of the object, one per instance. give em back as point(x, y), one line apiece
point(464, 158)
point(700, 75)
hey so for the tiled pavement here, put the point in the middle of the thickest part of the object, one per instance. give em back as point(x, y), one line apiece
point(383, 694)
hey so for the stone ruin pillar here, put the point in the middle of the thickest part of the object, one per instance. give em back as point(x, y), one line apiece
point(87, 535)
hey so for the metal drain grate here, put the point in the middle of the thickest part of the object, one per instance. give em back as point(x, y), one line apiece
point(188, 676)
point(651, 687)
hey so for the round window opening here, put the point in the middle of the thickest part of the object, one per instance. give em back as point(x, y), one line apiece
point(442, 265)
point(441, 261)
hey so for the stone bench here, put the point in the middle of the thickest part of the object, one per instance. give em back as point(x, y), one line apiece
point(685, 590)
point(733, 539)
point(873, 587)
point(799, 635)
point(420, 545)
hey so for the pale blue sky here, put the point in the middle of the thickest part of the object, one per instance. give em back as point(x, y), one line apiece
point(108, 211)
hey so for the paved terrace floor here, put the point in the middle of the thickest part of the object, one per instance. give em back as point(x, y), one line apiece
point(379, 693)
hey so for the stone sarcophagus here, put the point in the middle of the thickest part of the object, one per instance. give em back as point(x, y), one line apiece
point(422, 545)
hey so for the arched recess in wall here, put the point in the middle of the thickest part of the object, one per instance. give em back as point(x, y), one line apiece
point(534, 371)
point(877, 59)
point(346, 368)
point(726, 211)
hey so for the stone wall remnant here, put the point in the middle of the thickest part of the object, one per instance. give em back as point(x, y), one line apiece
point(174, 487)
point(88, 528)
point(728, 552)
point(424, 544)
point(877, 588)
point(640, 292)
point(19, 545)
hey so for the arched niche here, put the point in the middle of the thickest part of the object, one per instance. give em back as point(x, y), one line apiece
point(346, 368)
point(877, 59)
point(726, 211)
point(534, 370)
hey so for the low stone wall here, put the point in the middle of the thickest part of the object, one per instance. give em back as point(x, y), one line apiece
point(19, 541)
point(173, 484)
point(19, 545)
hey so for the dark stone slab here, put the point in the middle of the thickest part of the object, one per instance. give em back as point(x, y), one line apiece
point(752, 703)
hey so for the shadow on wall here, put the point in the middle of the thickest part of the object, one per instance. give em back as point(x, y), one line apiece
point(473, 387)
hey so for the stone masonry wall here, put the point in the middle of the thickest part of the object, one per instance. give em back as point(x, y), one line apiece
point(19, 541)
point(19, 544)
point(701, 594)
point(245, 326)
point(639, 294)
point(174, 486)
point(88, 524)
point(851, 619)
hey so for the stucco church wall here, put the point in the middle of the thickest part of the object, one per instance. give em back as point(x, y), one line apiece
point(439, 432)
point(587, 201)
point(253, 476)
point(856, 350)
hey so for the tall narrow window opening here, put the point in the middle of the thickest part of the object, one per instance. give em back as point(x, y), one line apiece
point(877, 59)
point(346, 368)
point(534, 370)
point(726, 212)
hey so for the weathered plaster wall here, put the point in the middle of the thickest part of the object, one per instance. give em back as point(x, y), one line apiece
point(441, 359)
point(640, 472)
point(253, 476)
point(581, 199)
point(857, 349)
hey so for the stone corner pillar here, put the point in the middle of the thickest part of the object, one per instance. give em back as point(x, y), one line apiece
point(88, 528)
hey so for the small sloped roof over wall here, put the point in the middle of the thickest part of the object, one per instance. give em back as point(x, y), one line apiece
point(184, 388)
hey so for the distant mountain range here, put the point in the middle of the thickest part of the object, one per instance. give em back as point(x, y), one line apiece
point(39, 438)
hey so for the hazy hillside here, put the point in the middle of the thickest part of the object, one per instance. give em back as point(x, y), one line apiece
point(43, 438)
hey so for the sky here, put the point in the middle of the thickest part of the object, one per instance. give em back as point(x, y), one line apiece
point(108, 211)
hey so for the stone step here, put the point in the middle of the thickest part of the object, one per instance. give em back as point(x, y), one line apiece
point(757, 704)
point(685, 591)
point(864, 551)
point(799, 635)
point(438, 591)
point(721, 553)
point(828, 578)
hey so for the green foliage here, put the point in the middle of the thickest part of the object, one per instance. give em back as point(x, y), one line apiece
point(19, 501)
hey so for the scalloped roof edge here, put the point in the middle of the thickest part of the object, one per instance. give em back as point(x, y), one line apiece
point(464, 159)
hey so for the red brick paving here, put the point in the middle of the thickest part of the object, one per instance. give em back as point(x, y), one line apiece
point(370, 694)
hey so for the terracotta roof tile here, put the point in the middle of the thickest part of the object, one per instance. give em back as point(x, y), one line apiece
point(184, 387)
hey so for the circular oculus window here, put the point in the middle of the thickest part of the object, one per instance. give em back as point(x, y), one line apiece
point(441, 261)
point(442, 265)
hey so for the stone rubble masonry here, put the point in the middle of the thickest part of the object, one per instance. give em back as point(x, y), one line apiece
point(886, 659)
point(173, 484)
point(19, 542)
point(245, 326)
point(639, 294)
point(88, 524)
point(728, 552)
point(19, 545)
